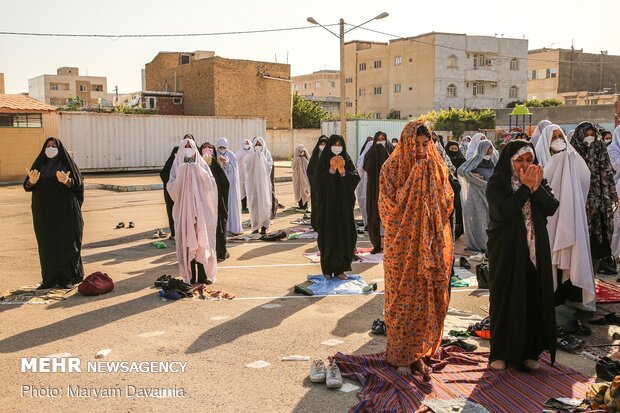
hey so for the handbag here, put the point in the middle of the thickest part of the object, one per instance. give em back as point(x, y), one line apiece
point(96, 283)
point(482, 274)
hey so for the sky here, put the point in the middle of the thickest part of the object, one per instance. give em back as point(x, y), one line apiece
point(545, 23)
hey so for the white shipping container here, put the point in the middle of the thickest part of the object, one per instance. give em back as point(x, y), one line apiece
point(117, 142)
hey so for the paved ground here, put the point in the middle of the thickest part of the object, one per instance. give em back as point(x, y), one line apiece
point(216, 339)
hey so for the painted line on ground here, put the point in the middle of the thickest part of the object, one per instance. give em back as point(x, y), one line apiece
point(283, 265)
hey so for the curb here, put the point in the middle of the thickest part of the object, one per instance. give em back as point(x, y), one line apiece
point(153, 187)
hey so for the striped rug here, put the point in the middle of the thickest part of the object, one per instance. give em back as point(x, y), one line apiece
point(457, 373)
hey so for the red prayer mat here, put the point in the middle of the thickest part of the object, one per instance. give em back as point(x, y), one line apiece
point(459, 374)
point(607, 292)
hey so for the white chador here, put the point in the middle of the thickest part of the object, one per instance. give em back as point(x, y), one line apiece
point(569, 178)
point(241, 154)
point(258, 164)
point(194, 192)
point(360, 190)
point(231, 169)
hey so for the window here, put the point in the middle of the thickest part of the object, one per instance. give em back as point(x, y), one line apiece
point(97, 88)
point(349, 104)
point(177, 101)
point(514, 92)
point(571, 102)
point(478, 89)
point(514, 64)
point(532, 75)
point(361, 92)
point(593, 102)
point(377, 64)
point(151, 103)
point(57, 102)
point(54, 86)
point(397, 88)
point(377, 91)
point(551, 73)
point(451, 91)
point(452, 62)
point(376, 115)
point(398, 60)
point(22, 120)
point(184, 59)
point(362, 67)
point(296, 88)
point(348, 80)
point(83, 88)
point(305, 86)
point(317, 85)
point(332, 83)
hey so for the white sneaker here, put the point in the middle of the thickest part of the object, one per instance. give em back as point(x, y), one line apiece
point(317, 371)
point(334, 377)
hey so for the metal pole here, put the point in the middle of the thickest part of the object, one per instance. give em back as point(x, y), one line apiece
point(343, 98)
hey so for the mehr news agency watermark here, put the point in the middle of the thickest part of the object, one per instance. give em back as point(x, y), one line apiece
point(51, 365)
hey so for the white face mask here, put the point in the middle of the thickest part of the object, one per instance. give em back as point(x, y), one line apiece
point(222, 151)
point(558, 145)
point(382, 143)
point(336, 150)
point(259, 148)
point(487, 157)
point(189, 152)
point(51, 152)
point(588, 140)
point(247, 146)
point(321, 147)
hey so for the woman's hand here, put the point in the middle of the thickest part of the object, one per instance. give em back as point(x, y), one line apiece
point(33, 176)
point(63, 177)
point(532, 177)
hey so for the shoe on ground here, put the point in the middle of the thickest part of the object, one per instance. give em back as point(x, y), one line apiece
point(463, 263)
point(157, 234)
point(161, 233)
point(333, 379)
point(44, 286)
point(317, 372)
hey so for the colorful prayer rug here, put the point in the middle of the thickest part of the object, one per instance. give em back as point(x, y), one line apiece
point(607, 292)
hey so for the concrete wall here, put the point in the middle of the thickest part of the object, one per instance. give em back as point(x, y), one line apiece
point(321, 78)
point(578, 71)
point(1, 83)
point(20, 147)
point(567, 116)
point(282, 143)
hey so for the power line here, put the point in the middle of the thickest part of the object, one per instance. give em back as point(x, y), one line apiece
point(469, 51)
point(119, 36)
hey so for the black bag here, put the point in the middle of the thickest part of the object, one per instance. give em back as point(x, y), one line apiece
point(482, 274)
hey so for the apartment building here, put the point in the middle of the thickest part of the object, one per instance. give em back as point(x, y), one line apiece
point(322, 87)
point(572, 76)
point(67, 84)
point(433, 71)
point(215, 86)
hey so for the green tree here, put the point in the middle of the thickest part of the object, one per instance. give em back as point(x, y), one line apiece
point(306, 113)
point(535, 103)
point(394, 114)
point(461, 120)
point(350, 116)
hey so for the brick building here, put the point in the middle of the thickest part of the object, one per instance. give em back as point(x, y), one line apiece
point(166, 103)
point(215, 86)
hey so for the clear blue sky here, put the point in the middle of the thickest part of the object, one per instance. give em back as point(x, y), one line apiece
point(546, 23)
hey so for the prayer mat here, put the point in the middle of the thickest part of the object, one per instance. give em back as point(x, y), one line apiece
point(319, 285)
point(302, 221)
point(244, 238)
point(302, 233)
point(607, 292)
point(459, 374)
point(30, 295)
point(297, 210)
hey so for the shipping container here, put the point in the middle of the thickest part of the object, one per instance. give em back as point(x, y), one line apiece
point(116, 142)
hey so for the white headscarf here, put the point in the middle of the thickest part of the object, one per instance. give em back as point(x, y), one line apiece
point(258, 185)
point(538, 131)
point(241, 154)
point(231, 169)
point(362, 186)
point(569, 178)
point(473, 146)
point(194, 192)
point(614, 154)
point(301, 184)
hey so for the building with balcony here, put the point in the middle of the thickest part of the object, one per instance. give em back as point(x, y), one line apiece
point(67, 84)
point(414, 75)
point(322, 87)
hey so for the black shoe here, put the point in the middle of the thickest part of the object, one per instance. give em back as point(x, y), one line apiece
point(606, 267)
point(378, 327)
point(607, 369)
point(44, 286)
point(263, 231)
point(463, 263)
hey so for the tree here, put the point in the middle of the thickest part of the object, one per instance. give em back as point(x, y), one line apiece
point(306, 113)
point(535, 103)
point(350, 116)
point(461, 120)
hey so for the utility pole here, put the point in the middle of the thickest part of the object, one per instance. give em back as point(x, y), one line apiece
point(343, 98)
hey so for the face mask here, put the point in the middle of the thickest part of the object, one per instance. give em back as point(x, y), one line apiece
point(207, 151)
point(607, 142)
point(588, 140)
point(259, 148)
point(487, 157)
point(247, 146)
point(381, 143)
point(321, 147)
point(189, 152)
point(336, 150)
point(558, 146)
point(222, 151)
point(51, 152)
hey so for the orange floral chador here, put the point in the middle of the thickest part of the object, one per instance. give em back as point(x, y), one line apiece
point(415, 203)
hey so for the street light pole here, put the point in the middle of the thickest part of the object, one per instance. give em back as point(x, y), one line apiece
point(343, 97)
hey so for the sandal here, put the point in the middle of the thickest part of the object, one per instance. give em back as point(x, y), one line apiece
point(163, 280)
point(573, 327)
point(378, 327)
point(609, 319)
point(120, 225)
point(131, 225)
point(570, 344)
point(300, 289)
point(372, 287)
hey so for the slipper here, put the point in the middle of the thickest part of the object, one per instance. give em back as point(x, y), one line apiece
point(457, 282)
point(573, 327)
point(378, 327)
point(300, 289)
point(570, 344)
point(120, 225)
point(609, 319)
point(370, 288)
point(131, 225)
